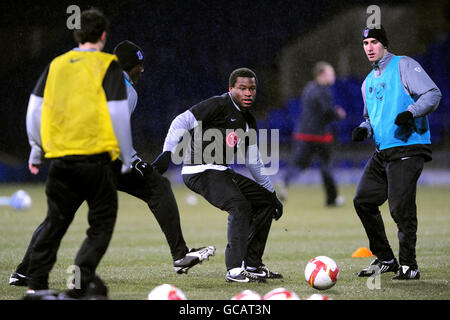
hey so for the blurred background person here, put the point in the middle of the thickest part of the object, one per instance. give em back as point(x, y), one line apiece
point(314, 138)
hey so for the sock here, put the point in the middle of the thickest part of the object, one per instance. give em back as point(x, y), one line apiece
point(390, 261)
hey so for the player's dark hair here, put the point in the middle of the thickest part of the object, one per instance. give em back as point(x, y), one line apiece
point(92, 25)
point(241, 72)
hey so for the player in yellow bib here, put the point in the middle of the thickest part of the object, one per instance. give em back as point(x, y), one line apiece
point(75, 120)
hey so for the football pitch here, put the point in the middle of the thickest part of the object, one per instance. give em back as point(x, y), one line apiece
point(138, 257)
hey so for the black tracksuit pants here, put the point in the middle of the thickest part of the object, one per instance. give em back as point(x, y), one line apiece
point(250, 210)
point(395, 181)
point(71, 181)
point(156, 191)
point(302, 155)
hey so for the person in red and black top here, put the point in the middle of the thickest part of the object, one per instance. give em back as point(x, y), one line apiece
point(250, 203)
point(314, 137)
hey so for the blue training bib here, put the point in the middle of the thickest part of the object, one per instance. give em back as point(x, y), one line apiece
point(385, 99)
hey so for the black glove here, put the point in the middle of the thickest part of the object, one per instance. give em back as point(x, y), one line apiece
point(359, 134)
point(404, 118)
point(162, 162)
point(278, 207)
point(142, 168)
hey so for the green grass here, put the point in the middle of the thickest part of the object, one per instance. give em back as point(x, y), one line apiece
point(138, 258)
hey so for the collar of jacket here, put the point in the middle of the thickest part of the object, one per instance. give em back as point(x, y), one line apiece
point(381, 65)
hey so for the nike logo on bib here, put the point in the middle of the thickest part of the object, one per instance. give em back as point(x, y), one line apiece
point(75, 60)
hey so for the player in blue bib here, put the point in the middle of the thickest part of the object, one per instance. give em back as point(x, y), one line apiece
point(398, 95)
